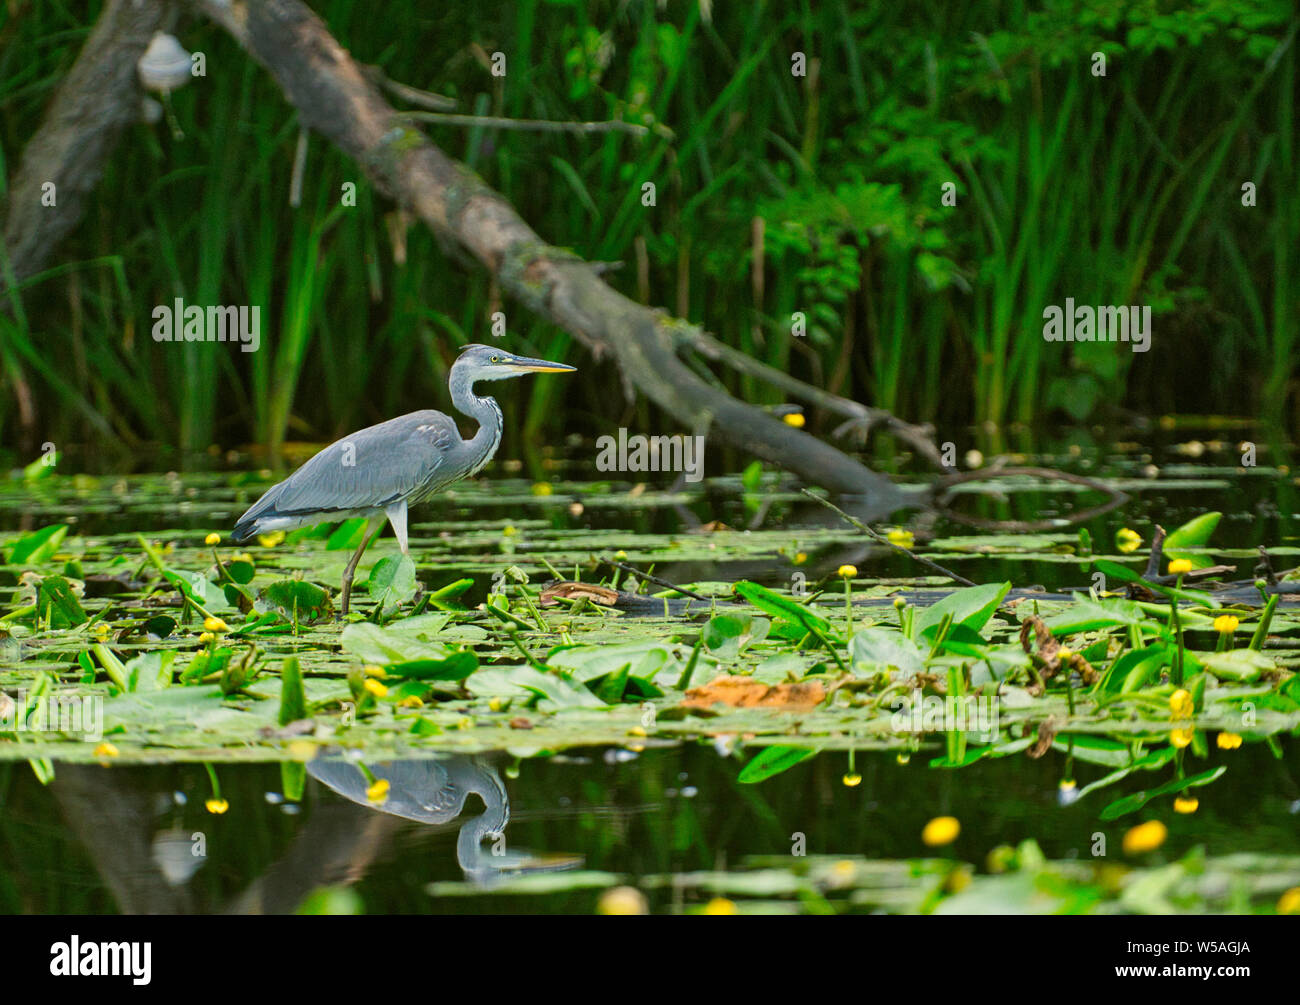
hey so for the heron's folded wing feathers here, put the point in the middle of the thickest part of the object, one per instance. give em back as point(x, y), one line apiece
point(373, 467)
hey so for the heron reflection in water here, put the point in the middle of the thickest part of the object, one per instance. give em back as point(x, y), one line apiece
point(433, 791)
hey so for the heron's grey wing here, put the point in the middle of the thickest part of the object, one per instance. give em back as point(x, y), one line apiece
point(370, 469)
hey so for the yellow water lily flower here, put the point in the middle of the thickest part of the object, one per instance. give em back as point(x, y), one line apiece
point(901, 538)
point(1181, 705)
point(1181, 737)
point(206, 637)
point(795, 419)
point(1179, 567)
point(1145, 837)
point(1127, 541)
point(217, 806)
point(215, 625)
point(1228, 741)
point(940, 831)
point(270, 540)
point(1289, 902)
point(212, 539)
point(852, 779)
point(622, 901)
point(846, 571)
point(1186, 804)
point(720, 905)
point(378, 791)
point(411, 701)
point(375, 688)
point(106, 749)
point(1226, 624)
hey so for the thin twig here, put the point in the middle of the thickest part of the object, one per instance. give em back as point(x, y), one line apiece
point(411, 95)
point(530, 125)
point(881, 539)
point(655, 579)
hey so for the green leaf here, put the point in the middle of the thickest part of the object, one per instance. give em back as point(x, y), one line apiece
point(782, 607)
point(1094, 749)
point(1237, 665)
point(1136, 800)
point(390, 645)
point(293, 697)
point(392, 582)
point(874, 648)
point(38, 546)
point(610, 687)
point(456, 666)
point(727, 635)
point(150, 671)
point(1195, 533)
point(972, 606)
point(587, 662)
point(347, 535)
point(58, 605)
point(1088, 615)
point(198, 588)
point(292, 598)
point(772, 761)
point(293, 780)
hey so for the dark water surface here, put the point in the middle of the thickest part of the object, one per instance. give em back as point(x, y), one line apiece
point(92, 840)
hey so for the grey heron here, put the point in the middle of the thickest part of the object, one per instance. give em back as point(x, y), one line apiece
point(384, 469)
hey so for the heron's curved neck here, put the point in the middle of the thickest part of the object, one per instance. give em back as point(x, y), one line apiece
point(486, 412)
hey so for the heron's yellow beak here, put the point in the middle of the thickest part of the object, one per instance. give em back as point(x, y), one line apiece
point(526, 365)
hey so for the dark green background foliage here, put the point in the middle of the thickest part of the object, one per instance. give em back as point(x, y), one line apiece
point(1123, 189)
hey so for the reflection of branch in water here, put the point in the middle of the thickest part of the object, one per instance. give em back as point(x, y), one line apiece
point(335, 847)
point(114, 820)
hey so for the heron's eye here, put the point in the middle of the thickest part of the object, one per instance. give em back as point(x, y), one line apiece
point(495, 359)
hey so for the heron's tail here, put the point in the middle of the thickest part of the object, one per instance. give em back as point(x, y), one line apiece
point(261, 511)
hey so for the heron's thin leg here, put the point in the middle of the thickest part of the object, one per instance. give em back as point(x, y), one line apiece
point(366, 538)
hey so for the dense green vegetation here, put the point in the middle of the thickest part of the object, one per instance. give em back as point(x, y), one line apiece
point(1122, 189)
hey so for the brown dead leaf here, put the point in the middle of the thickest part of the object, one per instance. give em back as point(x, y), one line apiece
point(745, 692)
point(570, 590)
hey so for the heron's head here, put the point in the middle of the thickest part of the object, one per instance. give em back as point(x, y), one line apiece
point(485, 362)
